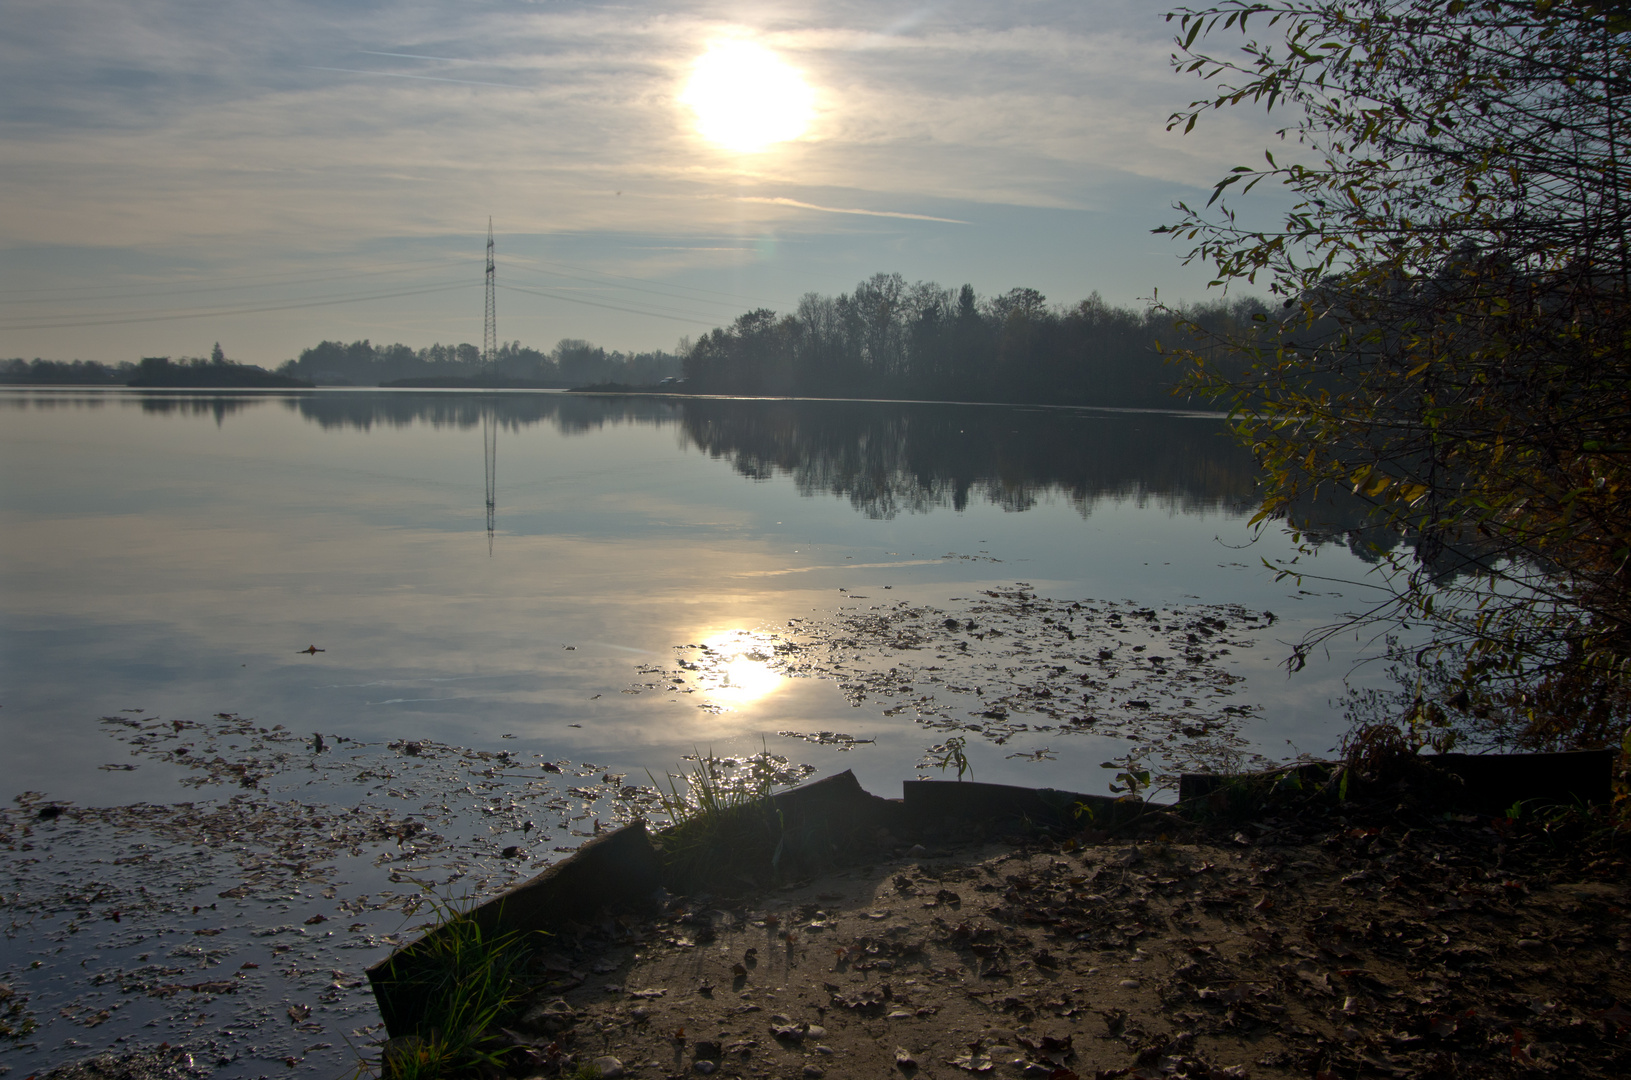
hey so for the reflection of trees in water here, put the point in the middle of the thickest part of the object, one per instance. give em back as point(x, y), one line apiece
point(571, 414)
point(48, 401)
point(884, 457)
point(1342, 517)
point(219, 406)
point(193, 405)
point(887, 458)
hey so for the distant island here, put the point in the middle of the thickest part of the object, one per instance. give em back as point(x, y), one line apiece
point(216, 373)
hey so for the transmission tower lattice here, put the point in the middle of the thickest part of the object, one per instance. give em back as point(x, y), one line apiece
point(489, 330)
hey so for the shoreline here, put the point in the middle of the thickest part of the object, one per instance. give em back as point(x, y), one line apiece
point(1295, 933)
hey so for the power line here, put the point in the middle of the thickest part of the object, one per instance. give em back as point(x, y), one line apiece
point(607, 287)
point(734, 297)
point(611, 307)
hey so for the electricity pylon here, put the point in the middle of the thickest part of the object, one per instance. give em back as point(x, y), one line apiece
point(489, 330)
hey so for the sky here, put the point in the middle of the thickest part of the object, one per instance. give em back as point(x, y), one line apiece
point(273, 173)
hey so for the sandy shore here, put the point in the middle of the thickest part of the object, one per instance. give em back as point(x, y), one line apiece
point(1393, 943)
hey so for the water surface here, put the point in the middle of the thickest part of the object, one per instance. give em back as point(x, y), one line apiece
point(172, 552)
point(605, 583)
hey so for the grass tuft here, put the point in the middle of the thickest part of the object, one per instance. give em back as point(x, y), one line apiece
point(720, 827)
point(460, 981)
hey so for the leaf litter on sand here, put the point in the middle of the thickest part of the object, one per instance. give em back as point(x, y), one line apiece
point(238, 924)
point(1352, 938)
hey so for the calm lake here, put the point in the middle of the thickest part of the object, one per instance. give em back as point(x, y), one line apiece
point(603, 584)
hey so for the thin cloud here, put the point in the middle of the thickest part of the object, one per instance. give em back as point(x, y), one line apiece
point(845, 210)
point(426, 78)
point(416, 56)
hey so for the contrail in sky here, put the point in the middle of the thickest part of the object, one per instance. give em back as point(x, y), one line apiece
point(843, 210)
point(427, 78)
point(416, 56)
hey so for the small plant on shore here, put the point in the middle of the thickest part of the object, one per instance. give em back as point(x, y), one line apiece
point(718, 825)
point(709, 794)
point(1132, 778)
point(947, 755)
point(461, 980)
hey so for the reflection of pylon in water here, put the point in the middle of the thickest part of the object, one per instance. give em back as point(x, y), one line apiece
point(489, 446)
point(489, 425)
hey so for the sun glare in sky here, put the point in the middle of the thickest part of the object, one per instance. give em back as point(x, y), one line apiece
point(746, 98)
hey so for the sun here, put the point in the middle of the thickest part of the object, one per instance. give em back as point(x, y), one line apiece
point(746, 98)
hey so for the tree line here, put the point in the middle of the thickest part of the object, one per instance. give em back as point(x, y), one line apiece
point(64, 372)
point(215, 371)
point(572, 362)
point(926, 342)
point(885, 339)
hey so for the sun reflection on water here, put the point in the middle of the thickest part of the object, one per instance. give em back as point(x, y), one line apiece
point(738, 667)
